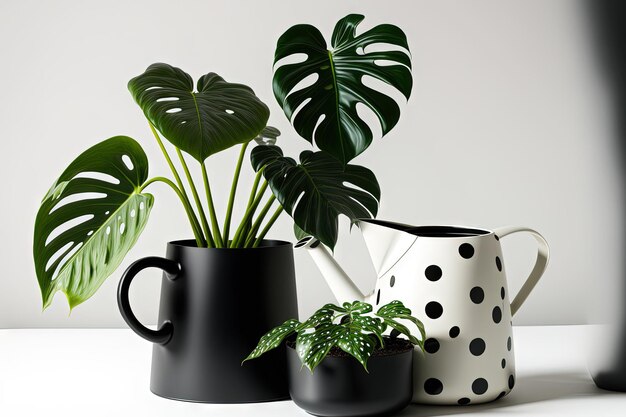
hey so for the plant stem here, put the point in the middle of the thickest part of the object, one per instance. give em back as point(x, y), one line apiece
point(233, 190)
point(185, 199)
point(268, 226)
point(196, 231)
point(257, 179)
point(257, 223)
point(216, 228)
point(194, 192)
point(247, 217)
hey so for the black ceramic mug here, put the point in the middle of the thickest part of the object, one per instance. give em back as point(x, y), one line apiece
point(215, 305)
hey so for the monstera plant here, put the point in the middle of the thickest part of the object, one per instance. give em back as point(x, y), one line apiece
point(95, 211)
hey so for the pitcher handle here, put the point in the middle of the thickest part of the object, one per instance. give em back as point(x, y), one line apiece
point(543, 254)
point(163, 334)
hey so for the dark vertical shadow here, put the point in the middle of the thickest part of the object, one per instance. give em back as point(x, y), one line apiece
point(608, 22)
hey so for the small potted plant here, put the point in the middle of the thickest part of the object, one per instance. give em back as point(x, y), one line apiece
point(354, 369)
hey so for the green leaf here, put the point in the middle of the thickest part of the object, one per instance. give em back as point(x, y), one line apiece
point(319, 189)
point(268, 136)
point(274, 338)
point(82, 237)
point(312, 347)
point(299, 233)
point(396, 310)
point(356, 344)
point(357, 307)
point(215, 117)
point(339, 84)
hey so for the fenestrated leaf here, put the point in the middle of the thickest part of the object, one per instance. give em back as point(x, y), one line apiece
point(397, 310)
point(90, 218)
point(215, 117)
point(312, 347)
point(274, 338)
point(367, 324)
point(357, 307)
point(339, 84)
point(268, 136)
point(319, 189)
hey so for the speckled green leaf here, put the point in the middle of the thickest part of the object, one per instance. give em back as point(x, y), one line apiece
point(357, 344)
point(274, 338)
point(396, 310)
point(325, 112)
point(214, 117)
point(90, 218)
point(312, 347)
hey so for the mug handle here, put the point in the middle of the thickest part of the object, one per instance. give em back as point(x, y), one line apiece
point(543, 254)
point(163, 334)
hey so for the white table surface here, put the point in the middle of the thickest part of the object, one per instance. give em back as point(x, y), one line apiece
point(105, 372)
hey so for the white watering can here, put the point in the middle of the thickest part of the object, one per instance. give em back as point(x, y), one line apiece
point(452, 278)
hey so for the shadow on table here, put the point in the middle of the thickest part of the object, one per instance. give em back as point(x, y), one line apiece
point(529, 389)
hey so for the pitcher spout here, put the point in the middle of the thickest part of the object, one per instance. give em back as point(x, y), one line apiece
point(341, 285)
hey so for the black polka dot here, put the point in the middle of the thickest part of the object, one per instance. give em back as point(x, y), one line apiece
point(503, 363)
point(498, 263)
point(496, 236)
point(477, 295)
point(502, 394)
point(431, 345)
point(463, 401)
point(502, 293)
point(511, 382)
point(479, 386)
point(508, 343)
point(454, 331)
point(466, 250)
point(433, 273)
point(394, 333)
point(477, 346)
point(433, 386)
point(378, 298)
point(434, 310)
point(496, 314)
point(392, 281)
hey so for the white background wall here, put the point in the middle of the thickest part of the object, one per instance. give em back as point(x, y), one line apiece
point(507, 125)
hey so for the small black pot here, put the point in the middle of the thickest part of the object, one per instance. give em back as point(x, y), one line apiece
point(215, 305)
point(340, 387)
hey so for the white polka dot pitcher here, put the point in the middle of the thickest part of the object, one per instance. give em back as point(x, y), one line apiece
point(452, 278)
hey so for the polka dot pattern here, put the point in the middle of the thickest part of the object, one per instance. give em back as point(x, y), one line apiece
point(498, 263)
point(477, 346)
point(392, 281)
point(480, 386)
point(496, 314)
point(502, 293)
point(431, 345)
point(434, 310)
point(466, 250)
point(503, 363)
point(511, 382)
point(454, 331)
point(463, 401)
point(433, 273)
point(433, 386)
point(477, 295)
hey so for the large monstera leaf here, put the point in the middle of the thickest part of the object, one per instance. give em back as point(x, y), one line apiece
point(90, 218)
point(325, 112)
point(318, 189)
point(215, 117)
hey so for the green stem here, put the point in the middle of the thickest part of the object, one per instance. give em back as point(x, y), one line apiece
point(247, 217)
point(233, 190)
point(194, 192)
point(257, 179)
point(192, 215)
point(216, 228)
point(268, 226)
point(196, 231)
point(257, 223)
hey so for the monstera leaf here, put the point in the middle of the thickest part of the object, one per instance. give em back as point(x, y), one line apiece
point(215, 117)
point(318, 189)
point(325, 112)
point(90, 218)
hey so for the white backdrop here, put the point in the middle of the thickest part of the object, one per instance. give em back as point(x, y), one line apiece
point(507, 125)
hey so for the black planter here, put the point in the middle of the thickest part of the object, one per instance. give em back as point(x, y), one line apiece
point(339, 386)
point(215, 305)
